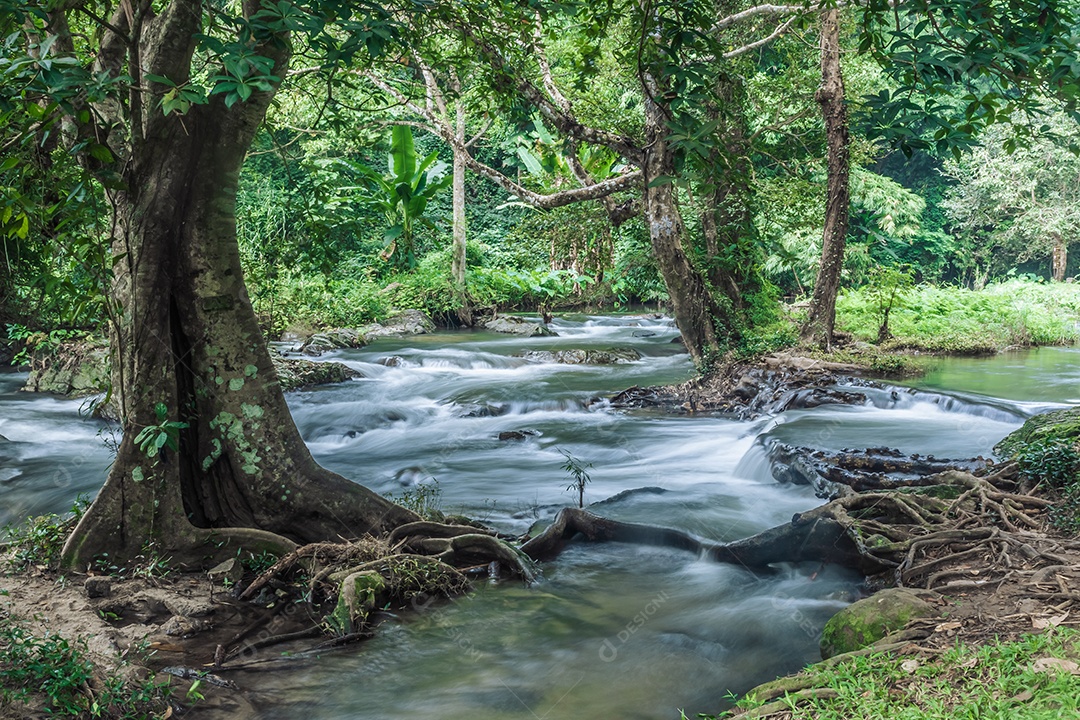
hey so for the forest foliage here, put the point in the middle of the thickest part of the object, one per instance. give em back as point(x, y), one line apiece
point(963, 183)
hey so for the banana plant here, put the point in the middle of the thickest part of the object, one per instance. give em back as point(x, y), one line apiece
point(402, 194)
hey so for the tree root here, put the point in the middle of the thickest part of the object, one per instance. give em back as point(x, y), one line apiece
point(310, 556)
point(919, 538)
point(417, 560)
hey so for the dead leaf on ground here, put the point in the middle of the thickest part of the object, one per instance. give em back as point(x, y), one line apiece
point(1050, 664)
point(909, 666)
point(947, 626)
point(1023, 697)
point(1043, 623)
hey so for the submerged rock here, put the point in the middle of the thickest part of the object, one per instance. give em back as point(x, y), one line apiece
point(582, 357)
point(517, 434)
point(865, 622)
point(518, 326)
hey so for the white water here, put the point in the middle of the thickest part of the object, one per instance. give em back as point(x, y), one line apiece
point(609, 631)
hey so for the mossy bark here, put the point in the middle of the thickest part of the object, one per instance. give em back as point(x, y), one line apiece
point(184, 336)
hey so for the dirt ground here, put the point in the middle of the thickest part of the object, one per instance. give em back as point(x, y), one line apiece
point(140, 628)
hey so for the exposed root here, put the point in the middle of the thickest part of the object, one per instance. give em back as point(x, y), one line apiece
point(418, 561)
point(318, 555)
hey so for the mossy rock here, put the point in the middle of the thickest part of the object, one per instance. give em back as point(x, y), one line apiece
point(356, 599)
point(297, 373)
point(1055, 425)
point(75, 369)
point(865, 622)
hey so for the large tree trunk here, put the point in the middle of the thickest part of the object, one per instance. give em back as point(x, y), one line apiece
point(186, 337)
point(819, 325)
point(692, 303)
point(1059, 259)
point(461, 293)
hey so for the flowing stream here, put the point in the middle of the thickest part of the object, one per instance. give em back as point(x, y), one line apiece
point(610, 630)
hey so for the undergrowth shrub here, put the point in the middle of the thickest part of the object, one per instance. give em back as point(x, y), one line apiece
point(37, 541)
point(1055, 463)
point(50, 671)
point(949, 319)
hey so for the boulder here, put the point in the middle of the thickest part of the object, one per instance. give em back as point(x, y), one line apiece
point(407, 322)
point(517, 326)
point(75, 369)
point(297, 373)
point(582, 357)
point(337, 339)
point(865, 622)
point(1057, 425)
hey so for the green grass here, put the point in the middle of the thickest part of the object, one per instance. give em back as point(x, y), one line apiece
point(997, 681)
point(948, 319)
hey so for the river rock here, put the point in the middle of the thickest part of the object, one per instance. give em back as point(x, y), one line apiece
point(582, 357)
point(407, 322)
point(865, 622)
point(74, 369)
point(517, 434)
point(297, 373)
point(337, 339)
point(514, 325)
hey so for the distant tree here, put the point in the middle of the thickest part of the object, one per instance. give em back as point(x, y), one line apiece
point(1026, 203)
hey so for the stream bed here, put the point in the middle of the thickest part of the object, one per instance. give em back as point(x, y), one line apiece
point(609, 630)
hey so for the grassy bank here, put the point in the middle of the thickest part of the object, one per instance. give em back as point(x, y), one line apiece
point(1014, 313)
point(344, 299)
point(1033, 678)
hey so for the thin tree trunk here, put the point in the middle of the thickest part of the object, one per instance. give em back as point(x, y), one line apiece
point(692, 304)
point(820, 323)
point(727, 216)
point(1059, 258)
point(461, 293)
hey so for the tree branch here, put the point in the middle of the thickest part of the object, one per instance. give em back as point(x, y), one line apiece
point(780, 30)
point(563, 121)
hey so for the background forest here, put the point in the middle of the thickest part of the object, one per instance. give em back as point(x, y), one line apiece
point(346, 201)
